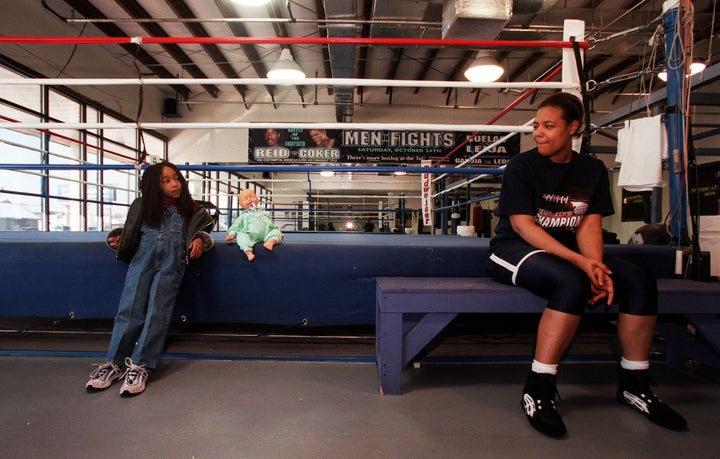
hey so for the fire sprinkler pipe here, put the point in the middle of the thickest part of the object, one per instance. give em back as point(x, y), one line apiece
point(388, 41)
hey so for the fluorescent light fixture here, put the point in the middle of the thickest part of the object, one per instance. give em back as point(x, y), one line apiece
point(695, 67)
point(251, 2)
point(484, 69)
point(286, 68)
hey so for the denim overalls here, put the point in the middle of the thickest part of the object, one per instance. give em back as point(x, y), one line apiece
point(151, 288)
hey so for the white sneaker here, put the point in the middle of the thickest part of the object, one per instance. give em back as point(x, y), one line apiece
point(135, 377)
point(103, 376)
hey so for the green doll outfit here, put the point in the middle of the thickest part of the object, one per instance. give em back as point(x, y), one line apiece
point(253, 226)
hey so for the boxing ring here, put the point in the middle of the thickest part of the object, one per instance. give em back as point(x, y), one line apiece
point(573, 80)
point(312, 279)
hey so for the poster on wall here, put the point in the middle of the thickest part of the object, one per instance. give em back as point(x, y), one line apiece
point(328, 146)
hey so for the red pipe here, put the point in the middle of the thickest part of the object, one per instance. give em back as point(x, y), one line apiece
point(502, 113)
point(288, 40)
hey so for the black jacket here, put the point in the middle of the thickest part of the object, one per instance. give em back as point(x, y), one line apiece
point(200, 224)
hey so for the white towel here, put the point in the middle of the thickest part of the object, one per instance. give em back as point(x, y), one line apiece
point(642, 146)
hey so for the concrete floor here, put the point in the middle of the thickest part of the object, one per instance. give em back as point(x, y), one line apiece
point(208, 408)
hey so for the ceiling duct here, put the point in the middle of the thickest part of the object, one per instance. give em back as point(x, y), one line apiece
point(532, 6)
point(463, 19)
point(484, 19)
point(475, 19)
point(342, 57)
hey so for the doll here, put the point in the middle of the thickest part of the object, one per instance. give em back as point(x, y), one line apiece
point(253, 225)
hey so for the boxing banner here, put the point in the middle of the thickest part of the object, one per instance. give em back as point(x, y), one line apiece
point(377, 147)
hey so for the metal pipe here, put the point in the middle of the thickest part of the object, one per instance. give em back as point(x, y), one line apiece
point(421, 24)
point(370, 41)
point(676, 126)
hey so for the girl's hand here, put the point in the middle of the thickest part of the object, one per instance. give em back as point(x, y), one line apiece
point(196, 247)
point(229, 237)
point(114, 241)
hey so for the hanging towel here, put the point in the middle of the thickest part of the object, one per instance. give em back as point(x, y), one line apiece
point(642, 146)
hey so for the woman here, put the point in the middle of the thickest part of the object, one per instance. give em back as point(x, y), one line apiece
point(549, 241)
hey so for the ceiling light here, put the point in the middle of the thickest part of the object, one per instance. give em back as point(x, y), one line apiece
point(286, 68)
point(695, 67)
point(251, 2)
point(484, 69)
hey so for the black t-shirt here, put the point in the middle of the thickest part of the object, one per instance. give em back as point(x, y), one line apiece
point(557, 195)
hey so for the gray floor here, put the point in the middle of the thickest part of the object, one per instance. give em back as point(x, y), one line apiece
point(225, 403)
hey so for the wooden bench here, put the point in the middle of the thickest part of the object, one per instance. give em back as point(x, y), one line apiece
point(411, 311)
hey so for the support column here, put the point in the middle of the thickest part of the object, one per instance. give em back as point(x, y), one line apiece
point(675, 65)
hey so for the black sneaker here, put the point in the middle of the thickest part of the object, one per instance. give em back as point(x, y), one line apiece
point(634, 392)
point(538, 401)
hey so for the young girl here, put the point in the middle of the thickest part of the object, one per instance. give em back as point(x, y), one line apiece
point(549, 241)
point(163, 228)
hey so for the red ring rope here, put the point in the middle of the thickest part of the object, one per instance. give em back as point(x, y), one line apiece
point(287, 40)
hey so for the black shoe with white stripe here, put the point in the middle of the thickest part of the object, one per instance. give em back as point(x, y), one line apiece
point(634, 391)
point(538, 402)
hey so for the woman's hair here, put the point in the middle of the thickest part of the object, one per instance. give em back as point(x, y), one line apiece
point(570, 105)
point(153, 205)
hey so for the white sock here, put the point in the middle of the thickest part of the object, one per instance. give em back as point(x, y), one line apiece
point(547, 368)
point(634, 364)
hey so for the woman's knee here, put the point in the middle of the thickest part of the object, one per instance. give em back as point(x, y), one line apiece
point(572, 295)
point(636, 288)
point(566, 287)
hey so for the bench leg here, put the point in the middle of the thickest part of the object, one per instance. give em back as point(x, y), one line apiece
point(388, 351)
point(680, 348)
point(422, 333)
point(395, 348)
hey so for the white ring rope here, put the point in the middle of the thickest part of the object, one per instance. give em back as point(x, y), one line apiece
point(285, 81)
point(469, 181)
point(267, 125)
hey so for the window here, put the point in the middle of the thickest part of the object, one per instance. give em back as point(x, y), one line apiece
point(75, 192)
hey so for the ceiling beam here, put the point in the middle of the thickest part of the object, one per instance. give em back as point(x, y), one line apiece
point(281, 31)
point(239, 30)
point(708, 76)
point(89, 11)
point(197, 30)
point(134, 9)
point(428, 60)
